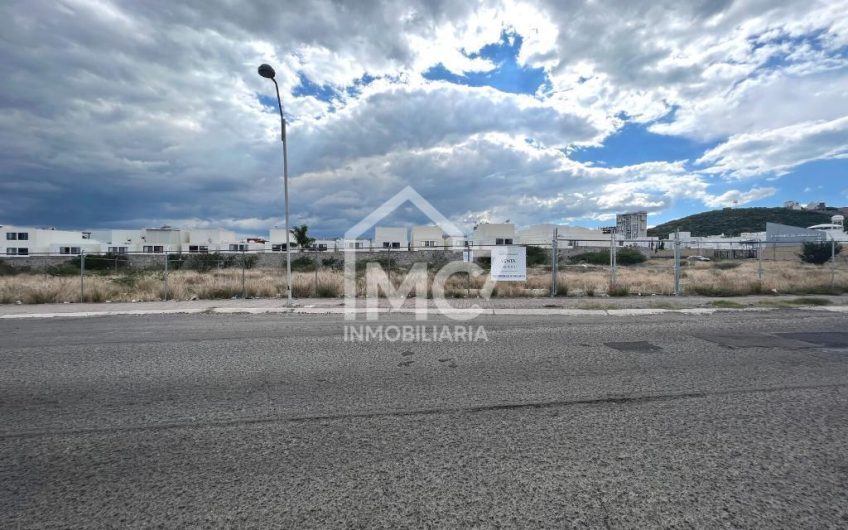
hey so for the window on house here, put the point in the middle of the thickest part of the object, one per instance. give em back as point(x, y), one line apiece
point(17, 251)
point(395, 244)
point(153, 249)
point(23, 236)
point(499, 241)
point(69, 250)
point(117, 250)
point(429, 243)
point(321, 246)
point(11, 236)
point(386, 244)
point(198, 249)
point(279, 247)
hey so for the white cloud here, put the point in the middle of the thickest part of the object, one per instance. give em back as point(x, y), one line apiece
point(150, 110)
point(778, 151)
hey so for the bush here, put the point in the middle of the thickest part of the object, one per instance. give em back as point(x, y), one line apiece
point(9, 270)
point(205, 262)
point(618, 290)
point(818, 253)
point(537, 256)
point(95, 262)
point(726, 265)
point(303, 264)
point(623, 256)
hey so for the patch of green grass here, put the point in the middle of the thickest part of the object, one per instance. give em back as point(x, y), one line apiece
point(795, 302)
point(597, 306)
point(809, 300)
point(726, 304)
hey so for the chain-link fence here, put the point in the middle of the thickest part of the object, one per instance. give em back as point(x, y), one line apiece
point(559, 267)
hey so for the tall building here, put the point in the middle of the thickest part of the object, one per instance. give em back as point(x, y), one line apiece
point(632, 225)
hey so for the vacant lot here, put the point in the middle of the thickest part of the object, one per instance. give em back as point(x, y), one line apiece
point(721, 278)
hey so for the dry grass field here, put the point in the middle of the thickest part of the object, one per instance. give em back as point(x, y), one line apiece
point(722, 278)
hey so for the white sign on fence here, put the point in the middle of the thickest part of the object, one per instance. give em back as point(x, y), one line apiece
point(468, 256)
point(509, 264)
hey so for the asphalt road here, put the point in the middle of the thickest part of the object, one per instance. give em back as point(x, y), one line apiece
point(727, 420)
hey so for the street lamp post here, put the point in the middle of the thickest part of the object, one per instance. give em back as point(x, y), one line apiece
point(267, 72)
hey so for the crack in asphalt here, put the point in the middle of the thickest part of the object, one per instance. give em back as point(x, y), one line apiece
point(614, 400)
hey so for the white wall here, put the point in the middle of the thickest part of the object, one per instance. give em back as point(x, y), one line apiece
point(424, 237)
point(396, 237)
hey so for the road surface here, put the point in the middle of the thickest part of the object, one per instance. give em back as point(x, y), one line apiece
point(725, 420)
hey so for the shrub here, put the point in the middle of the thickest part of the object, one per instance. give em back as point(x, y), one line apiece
point(726, 265)
point(618, 290)
point(303, 264)
point(204, 262)
point(537, 256)
point(98, 262)
point(624, 256)
point(818, 253)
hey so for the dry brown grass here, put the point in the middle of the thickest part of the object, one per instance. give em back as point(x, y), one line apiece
point(653, 277)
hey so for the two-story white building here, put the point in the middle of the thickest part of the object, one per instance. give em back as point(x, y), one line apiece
point(394, 238)
point(427, 237)
point(28, 241)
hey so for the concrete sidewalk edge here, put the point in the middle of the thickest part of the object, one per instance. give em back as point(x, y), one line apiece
point(457, 312)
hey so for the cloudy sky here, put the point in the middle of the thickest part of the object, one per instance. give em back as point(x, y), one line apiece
point(127, 113)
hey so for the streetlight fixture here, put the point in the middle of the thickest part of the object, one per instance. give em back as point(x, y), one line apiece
point(268, 72)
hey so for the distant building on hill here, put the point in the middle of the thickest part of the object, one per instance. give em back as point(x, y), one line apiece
point(632, 225)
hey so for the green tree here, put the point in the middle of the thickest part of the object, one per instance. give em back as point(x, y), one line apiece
point(818, 252)
point(301, 236)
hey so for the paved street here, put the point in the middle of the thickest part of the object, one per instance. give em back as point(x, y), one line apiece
point(736, 419)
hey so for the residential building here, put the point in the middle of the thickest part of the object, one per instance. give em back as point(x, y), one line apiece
point(490, 234)
point(27, 241)
point(391, 237)
point(202, 240)
point(426, 237)
point(632, 225)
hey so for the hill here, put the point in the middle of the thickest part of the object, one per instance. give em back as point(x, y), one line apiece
point(737, 220)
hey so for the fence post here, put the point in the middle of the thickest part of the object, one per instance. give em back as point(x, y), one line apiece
point(243, 291)
point(760, 260)
point(165, 278)
point(554, 264)
point(677, 262)
point(82, 276)
point(832, 264)
point(316, 275)
point(612, 259)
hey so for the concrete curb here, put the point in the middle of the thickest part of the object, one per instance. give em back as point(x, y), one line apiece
point(456, 312)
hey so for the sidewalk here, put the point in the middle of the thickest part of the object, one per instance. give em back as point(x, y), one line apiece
point(496, 306)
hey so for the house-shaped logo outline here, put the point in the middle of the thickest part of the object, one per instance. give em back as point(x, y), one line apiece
point(407, 194)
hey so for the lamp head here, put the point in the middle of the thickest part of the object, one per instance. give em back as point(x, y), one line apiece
point(266, 71)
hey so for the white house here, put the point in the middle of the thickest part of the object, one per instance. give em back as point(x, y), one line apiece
point(391, 237)
point(426, 237)
point(835, 229)
point(26, 241)
point(201, 240)
point(490, 234)
point(277, 239)
point(162, 240)
point(118, 241)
